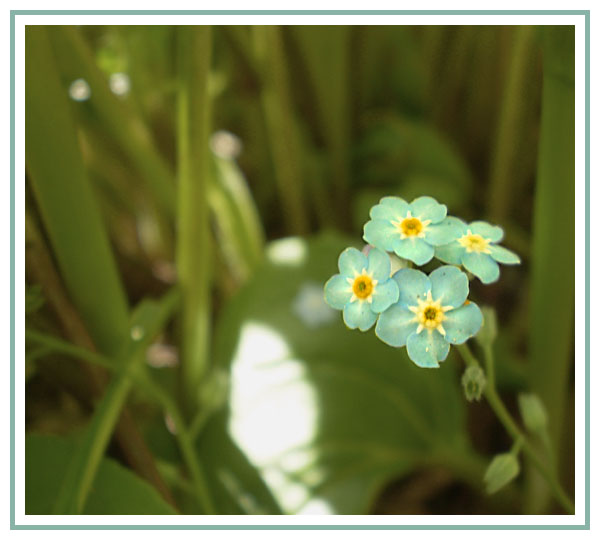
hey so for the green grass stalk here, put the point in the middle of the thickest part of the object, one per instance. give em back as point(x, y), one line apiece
point(193, 244)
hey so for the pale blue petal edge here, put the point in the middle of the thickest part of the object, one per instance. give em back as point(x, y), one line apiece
point(351, 262)
point(482, 265)
point(414, 249)
point(427, 349)
point(426, 208)
point(338, 291)
point(503, 255)
point(449, 285)
point(379, 264)
point(395, 325)
point(462, 323)
point(412, 285)
point(359, 315)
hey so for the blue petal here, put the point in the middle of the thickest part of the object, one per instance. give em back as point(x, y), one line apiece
point(414, 249)
point(379, 264)
point(351, 262)
point(390, 208)
point(427, 349)
point(395, 325)
point(450, 253)
point(449, 285)
point(359, 315)
point(503, 255)
point(381, 234)
point(384, 295)
point(428, 208)
point(338, 291)
point(482, 265)
point(462, 323)
point(412, 284)
point(445, 232)
point(492, 232)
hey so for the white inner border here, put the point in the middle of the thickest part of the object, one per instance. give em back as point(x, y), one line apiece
point(22, 20)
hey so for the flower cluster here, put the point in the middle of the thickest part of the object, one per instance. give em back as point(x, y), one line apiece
point(425, 313)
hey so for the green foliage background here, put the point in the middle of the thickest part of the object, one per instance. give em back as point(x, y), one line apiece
point(179, 356)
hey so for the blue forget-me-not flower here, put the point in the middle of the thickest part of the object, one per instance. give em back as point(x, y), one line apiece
point(410, 230)
point(431, 314)
point(363, 288)
point(477, 250)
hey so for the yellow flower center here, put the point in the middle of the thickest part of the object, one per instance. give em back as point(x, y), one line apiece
point(411, 226)
point(474, 242)
point(362, 286)
point(429, 314)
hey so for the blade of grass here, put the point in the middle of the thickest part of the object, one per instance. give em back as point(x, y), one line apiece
point(40, 268)
point(330, 81)
point(154, 391)
point(553, 250)
point(504, 174)
point(193, 248)
point(114, 115)
point(147, 320)
point(281, 126)
point(66, 200)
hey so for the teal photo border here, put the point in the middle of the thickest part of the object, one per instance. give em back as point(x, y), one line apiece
point(585, 13)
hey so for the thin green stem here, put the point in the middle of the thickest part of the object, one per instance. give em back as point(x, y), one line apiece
point(183, 435)
point(193, 249)
point(512, 428)
point(186, 444)
point(58, 345)
point(147, 320)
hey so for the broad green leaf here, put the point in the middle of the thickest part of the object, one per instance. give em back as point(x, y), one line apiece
point(329, 415)
point(116, 490)
point(235, 485)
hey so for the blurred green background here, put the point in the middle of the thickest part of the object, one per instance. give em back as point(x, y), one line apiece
point(188, 192)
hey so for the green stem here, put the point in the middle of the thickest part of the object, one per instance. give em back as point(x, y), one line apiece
point(184, 436)
point(511, 426)
point(149, 318)
point(193, 227)
point(186, 444)
point(58, 345)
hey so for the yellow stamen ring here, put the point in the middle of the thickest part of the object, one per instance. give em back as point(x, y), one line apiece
point(362, 287)
point(430, 314)
point(410, 226)
point(474, 243)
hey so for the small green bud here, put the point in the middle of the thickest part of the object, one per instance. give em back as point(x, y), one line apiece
point(473, 382)
point(533, 413)
point(489, 329)
point(502, 470)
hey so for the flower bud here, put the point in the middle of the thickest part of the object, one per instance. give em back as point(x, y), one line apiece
point(533, 412)
point(473, 381)
point(502, 469)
